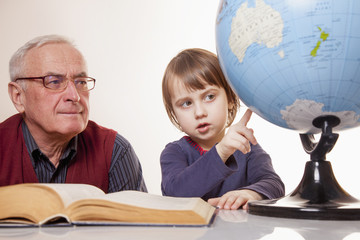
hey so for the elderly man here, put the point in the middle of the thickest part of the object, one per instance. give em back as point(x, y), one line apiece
point(51, 139)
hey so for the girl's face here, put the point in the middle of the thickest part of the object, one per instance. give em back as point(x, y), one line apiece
point(202, 114)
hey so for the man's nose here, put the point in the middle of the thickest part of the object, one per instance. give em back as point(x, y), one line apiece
point(72, 92)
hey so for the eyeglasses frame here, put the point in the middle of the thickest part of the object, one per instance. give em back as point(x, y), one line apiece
point(67, 80)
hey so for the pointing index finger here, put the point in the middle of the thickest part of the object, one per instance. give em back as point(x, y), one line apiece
point(246, 117)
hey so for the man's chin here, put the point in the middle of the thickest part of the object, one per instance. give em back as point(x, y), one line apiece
point(73, 128)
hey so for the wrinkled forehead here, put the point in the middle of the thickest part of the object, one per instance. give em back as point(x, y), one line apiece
point(60, 58)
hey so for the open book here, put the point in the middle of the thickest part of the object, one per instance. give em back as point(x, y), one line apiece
point(82, 204)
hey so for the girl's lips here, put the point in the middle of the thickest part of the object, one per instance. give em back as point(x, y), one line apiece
point(203, 127)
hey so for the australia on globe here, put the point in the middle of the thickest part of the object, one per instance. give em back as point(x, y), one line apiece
point(291, 61)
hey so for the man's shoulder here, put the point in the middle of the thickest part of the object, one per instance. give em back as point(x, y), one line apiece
point(12, 121)
point(93, 124)
point(94, 127)
point(99, 134)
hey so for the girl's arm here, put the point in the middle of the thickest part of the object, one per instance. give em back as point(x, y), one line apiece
point(262, 176)
point(262, 179)
point(181, 179)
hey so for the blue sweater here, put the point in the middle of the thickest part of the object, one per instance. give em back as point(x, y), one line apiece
point(189, 171)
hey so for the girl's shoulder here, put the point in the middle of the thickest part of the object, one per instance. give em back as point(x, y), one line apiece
point(184, 145)
point(180, 142)
point(177, 145)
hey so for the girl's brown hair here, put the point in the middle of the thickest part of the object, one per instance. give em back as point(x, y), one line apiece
point(196, 67)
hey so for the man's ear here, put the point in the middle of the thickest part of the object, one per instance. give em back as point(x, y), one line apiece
point(16, 94)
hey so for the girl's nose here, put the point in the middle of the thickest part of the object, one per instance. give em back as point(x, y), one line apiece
point(200, 111)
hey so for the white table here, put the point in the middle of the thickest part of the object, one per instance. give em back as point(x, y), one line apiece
point(227, 225)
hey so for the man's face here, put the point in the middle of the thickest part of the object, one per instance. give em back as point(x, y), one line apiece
point(53, 113)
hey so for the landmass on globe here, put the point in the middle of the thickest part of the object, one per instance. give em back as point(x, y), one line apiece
point(301, 113)
point(323, 37)
point(260, 24)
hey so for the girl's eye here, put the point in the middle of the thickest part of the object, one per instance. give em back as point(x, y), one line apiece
point(209, 97)
point(186, 104)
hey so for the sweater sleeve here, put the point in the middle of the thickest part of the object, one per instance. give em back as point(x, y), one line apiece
point(262, 177)
point(181, 179)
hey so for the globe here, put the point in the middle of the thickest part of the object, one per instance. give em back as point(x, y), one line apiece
point(296, 63)
point(291, 61)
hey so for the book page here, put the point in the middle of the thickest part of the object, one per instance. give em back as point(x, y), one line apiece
point(28, 202)
point(140, 207)
point(73, 192)
point(147, 200)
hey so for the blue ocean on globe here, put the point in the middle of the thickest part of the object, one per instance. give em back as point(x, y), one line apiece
point(291, 61)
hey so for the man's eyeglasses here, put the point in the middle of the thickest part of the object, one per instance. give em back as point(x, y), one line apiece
point(59, 82)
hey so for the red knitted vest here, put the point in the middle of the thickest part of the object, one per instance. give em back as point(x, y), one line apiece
point(92, 160)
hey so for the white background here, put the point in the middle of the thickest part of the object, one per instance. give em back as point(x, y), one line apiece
point(127, 45)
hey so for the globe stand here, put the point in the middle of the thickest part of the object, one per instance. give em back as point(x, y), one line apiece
point(318, 196)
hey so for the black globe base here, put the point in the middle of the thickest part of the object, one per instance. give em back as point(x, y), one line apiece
point(319, 195)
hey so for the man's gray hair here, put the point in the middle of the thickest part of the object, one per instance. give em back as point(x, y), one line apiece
point(16, 64)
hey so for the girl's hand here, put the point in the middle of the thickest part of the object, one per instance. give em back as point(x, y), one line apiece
point(235, 199)
point(238, 137)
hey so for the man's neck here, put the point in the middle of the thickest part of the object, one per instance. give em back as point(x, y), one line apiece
point(51, 146)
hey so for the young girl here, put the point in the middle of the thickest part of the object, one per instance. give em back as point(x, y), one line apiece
point(227, 169)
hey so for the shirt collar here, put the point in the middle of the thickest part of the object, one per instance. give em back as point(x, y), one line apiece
point(33, 147)
point(195, 145)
